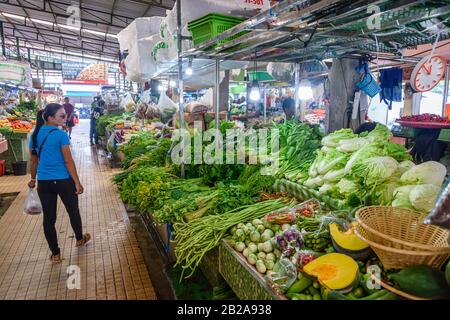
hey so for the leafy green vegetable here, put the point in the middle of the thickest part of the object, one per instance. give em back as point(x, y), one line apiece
point(430, 172)
point(332, 140)
point(423, 197)
point(374, 170)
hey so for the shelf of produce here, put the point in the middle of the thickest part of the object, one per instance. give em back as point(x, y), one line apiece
point(17, 149)
point(159, 232)
point(246, 282)
point(3, 146)
point(424, 124)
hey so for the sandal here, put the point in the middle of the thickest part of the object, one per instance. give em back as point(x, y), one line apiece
point(55, 259)
point(82, 242)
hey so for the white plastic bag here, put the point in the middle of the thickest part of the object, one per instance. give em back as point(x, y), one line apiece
point(32, 204)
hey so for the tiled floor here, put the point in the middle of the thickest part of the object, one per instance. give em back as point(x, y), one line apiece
point(111, 266)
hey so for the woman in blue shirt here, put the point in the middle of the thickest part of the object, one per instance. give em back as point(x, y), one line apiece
point(52, 162)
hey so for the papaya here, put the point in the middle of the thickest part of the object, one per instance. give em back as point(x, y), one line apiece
point(422, 281)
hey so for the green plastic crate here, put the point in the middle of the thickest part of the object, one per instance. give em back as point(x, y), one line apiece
point(444, 135)
point(211, 25)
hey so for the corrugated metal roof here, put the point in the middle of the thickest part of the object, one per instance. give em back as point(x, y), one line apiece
point(46, 28)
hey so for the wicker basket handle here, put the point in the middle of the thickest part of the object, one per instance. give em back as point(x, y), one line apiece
point(394, 290)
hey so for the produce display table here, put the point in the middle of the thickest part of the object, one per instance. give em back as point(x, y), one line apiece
point(160, 232)
point(246, 282)
point(18, 145)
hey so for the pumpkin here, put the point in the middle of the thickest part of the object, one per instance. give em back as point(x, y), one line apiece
point(335, 271)
point(347, 242)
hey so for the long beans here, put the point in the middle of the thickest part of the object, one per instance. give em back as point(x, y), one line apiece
point(196, 238)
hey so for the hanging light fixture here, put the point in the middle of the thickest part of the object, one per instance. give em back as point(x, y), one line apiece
point(255, 94)
point(305, 91)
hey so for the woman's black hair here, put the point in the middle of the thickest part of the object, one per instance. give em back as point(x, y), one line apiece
point(42, 116)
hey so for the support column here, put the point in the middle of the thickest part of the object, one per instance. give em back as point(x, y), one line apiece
point(217, 95)
point(445, 95)
point(343, 78)
point(2, 34)
point(180, 83)
point(297, 87)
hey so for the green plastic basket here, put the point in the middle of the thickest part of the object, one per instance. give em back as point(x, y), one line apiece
point(444, 135)
point(211, 25)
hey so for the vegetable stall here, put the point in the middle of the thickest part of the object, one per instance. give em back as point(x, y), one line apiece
point(302, 234)
point(346, 215)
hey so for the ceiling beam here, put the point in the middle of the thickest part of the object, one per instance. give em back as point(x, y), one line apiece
point(92, 39)
point(157, 4)
point(64, 15)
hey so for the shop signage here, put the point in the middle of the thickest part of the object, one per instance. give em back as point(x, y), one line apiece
point(83, 73)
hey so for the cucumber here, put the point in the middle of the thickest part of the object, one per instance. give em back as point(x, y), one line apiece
point(352, 296)
point(359, 292)
point(388, 296)
point(376, 295)
point(298, 296)
point(313, 290)
point(300, 285)
point(324, 293)
point(336, 295)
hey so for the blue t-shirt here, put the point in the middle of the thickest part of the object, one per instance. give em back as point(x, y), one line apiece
point(51, 164)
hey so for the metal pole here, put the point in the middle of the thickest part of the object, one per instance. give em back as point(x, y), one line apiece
point(265, 104)
point(2, 33)
point(297, 87)
point(217, 98)
point(18, 48)
point(180, 84)
point(446, 85)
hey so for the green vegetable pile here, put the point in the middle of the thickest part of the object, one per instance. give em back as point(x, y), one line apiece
point(368, 169)
point(199, 236)
point(298, 145)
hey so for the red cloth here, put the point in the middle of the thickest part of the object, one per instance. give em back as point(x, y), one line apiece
point(69, 109)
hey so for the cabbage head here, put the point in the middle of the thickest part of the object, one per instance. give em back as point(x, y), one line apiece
point(332, 139)
point(430, 172)
point(401, 197)
point(375, 170)
point(423, 197)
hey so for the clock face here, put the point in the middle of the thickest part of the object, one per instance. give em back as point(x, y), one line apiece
point(427, 73)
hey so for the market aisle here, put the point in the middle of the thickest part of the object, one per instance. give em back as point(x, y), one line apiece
point(111, 266)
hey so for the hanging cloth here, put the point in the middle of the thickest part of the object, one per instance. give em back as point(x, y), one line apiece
point(391, 85)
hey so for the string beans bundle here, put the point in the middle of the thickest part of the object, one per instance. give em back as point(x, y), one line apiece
point(196, 238)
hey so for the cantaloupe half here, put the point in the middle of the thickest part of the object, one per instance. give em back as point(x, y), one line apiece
point(335, 271)
point(348, 242)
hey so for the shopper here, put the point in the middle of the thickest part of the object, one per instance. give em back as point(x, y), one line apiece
point(288, 105)
point(96, 112)
point(52, 163)
point(70, 113)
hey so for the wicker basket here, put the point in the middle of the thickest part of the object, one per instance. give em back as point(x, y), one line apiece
point(399, 238)
point(402, 229)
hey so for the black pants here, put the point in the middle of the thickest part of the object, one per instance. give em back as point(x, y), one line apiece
point(48, 191)
point(93, 136)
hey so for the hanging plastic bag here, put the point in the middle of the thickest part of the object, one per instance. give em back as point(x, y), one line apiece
point(32, 204)
point(282, 277)
point(166, 106)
